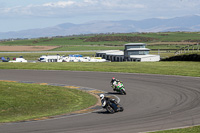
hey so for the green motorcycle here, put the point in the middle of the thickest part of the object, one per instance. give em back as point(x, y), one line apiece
point(119, 87)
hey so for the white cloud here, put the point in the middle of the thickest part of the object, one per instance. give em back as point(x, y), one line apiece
point(121, 4)
point(126, 8)
point(63, 8)
point(61, 4)
point(90, 1)
point(79, 11)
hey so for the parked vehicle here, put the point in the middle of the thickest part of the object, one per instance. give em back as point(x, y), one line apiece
point(5, 60)
point(70, 58)
point(20, 59)
point(51, 58)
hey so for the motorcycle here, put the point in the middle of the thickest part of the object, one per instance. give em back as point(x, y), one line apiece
point(119, 88)
point(113, 107)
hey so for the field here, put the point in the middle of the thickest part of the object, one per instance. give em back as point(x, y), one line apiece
point(164, 44)
point(20, 101)
point(111, 39)
point(164, 68)
point(195, 129)
point(164, 40)
point(26, 48)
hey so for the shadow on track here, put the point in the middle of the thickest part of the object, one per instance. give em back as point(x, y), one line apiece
point(102, 112)
point(113, 93)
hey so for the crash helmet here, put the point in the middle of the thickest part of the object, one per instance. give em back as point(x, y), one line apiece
point(113, 79)
point(101, 96)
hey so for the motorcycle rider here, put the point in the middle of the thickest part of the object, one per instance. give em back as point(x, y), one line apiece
point(115, 83)
point(106, 100)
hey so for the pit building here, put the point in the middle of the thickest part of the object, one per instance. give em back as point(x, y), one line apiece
point(132, 52)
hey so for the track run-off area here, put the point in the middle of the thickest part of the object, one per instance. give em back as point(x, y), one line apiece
point(153, 102)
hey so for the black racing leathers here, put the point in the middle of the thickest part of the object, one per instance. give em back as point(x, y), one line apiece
point(108, 101)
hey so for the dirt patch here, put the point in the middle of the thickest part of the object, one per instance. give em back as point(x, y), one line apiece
point(27, 48)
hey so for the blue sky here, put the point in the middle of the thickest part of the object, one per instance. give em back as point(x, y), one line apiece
point(18, 15)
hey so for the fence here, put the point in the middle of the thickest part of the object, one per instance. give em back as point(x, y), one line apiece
point(188, 49)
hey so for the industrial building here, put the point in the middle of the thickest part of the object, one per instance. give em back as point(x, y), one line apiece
point(132, 52)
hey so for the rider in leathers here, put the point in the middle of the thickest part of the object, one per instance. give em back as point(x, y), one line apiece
point(115, 83)
point(105, 100)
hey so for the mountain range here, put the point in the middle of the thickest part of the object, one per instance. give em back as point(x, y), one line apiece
point(185, 23)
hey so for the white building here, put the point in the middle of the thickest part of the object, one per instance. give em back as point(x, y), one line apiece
point(132, 52)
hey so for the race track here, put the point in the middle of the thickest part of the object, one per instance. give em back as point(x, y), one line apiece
point(153, 102)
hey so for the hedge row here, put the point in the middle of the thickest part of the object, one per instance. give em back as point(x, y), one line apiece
point(120, 38)
point(190, 57)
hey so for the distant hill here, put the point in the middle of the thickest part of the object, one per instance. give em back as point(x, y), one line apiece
point(186, 23)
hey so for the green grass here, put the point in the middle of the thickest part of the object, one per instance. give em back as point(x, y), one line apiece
point(161, 37)
point(20, 101)
point(152, 47)
point(167, 46)
point(195, 129)
point(165, 68)
point(164, 40)
point(66, 41)
point(173, 36)
point(81, 48)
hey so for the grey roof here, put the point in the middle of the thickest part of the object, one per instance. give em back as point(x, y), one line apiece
point(133, 44)
point(121, 53)
point(107, 51)
point(138, 49)
point(112, 52)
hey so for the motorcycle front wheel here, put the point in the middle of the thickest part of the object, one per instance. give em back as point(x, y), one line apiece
point(124, 92)
point(110, 109)
point(121, 109)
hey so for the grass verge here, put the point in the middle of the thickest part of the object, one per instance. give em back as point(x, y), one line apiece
point(195, 129)
point(19, 101)
point(164, 68)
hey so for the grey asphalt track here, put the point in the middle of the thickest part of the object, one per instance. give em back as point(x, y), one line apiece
point(153, 102)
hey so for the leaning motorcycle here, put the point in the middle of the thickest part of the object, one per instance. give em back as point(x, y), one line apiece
point(113, 107)
point(119, 88)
